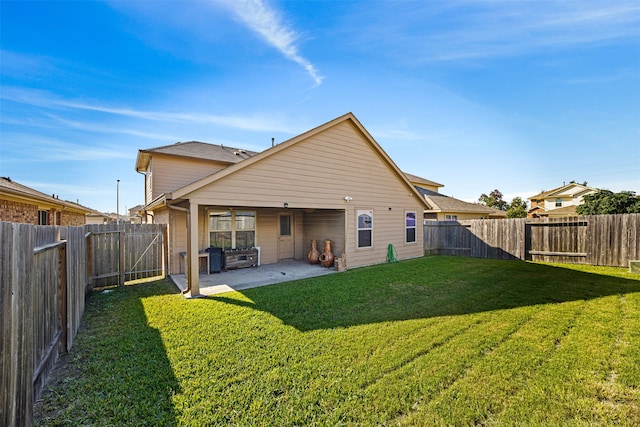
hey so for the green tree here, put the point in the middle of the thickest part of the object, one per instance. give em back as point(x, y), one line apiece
point(493, 200)
point(517, 208)
point(606, 202)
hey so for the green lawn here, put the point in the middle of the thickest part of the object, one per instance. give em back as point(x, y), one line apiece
point(430, 341)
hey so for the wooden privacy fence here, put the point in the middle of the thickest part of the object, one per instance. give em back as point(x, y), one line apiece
point(608, 240)
point(121, 253)
point(45, 274)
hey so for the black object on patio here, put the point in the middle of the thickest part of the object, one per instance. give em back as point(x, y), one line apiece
point(215, 259)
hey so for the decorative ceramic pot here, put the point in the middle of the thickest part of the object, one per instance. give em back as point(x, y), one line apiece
point(314, 254)
point(326, 259)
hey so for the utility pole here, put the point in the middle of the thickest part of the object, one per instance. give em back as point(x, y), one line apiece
point(118, 202)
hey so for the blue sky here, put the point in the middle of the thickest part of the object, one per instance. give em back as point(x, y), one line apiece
point(477, 95)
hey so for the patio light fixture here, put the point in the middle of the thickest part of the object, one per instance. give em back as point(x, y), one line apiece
point(348, 198)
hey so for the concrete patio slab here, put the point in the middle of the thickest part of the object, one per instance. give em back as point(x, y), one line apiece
point(246, 278)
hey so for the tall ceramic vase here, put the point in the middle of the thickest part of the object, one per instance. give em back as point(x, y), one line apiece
point(314, 254)
point(326, 259)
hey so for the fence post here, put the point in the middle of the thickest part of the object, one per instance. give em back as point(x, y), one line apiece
point(62, 296)
point(122, 266)
point(89, 258)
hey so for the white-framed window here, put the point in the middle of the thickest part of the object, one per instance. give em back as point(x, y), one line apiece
point(365, 229)
point(559, 202)
point(450, 217)
point(410, 226)
point(232, 230)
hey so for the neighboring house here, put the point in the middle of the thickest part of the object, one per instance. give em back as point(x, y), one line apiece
point(19, 203)
point(96, 217)
point(559, 202)
point(332, 182)
point(445, 208)
point(136, 215)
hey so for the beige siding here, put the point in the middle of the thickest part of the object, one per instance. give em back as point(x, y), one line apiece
point(321, 225)
point(177, 239)
point(176, 234)
point(388, 228)
point(300, 251)
point(170, 173)
point(267, 235)
point(317, 173)
point(148, 192)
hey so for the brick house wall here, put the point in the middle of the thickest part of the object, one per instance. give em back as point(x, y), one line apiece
point(72, 218)
point(25, 213)
point(18, 212)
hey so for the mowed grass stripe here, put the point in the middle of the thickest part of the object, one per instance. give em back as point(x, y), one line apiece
point(401, 391)
point(577, 386)
point(628, 355)
point(311, 370)
point(488, 385)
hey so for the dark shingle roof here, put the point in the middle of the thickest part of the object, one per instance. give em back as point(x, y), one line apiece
point(9, 186)
point(418, 179)
point(203, 150)
point(449, 204)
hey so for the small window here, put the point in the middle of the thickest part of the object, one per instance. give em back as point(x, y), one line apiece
point(449, 217)
point(365, 229)
point(410, 226)
point(43, 218)
point(285, 225)
point(558, 202)
point(220, 234)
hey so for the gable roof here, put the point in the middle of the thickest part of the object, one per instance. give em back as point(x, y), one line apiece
point(8, 187)
point(563, 192)
point(558, 212)
point(415, 179)
point(194, 150)
point(443, 203)
point(349, 117)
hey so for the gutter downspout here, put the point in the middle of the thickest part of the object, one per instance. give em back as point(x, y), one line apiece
point(188, 260)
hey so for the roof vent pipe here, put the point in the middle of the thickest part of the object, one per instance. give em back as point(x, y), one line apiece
point(273, 141)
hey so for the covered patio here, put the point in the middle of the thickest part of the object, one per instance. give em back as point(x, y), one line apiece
point(246, 278)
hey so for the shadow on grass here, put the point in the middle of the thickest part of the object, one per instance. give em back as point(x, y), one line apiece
point(423, 288)
point(117, 372)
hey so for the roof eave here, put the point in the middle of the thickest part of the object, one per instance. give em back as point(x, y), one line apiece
point(189, 188)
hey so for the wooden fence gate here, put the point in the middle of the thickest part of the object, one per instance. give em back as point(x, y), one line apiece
point(120, 253)
point(45, 274)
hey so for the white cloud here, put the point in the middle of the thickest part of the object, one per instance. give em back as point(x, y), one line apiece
point(266, 22)
point(257, 122)
point(43, 149)
point(470, 29)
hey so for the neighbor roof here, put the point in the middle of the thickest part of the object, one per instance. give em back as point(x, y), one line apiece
point(443, 203)
point(195, 150)
point(560, 192)
point(564, 211)
point(22, 192)
point(415, 179)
